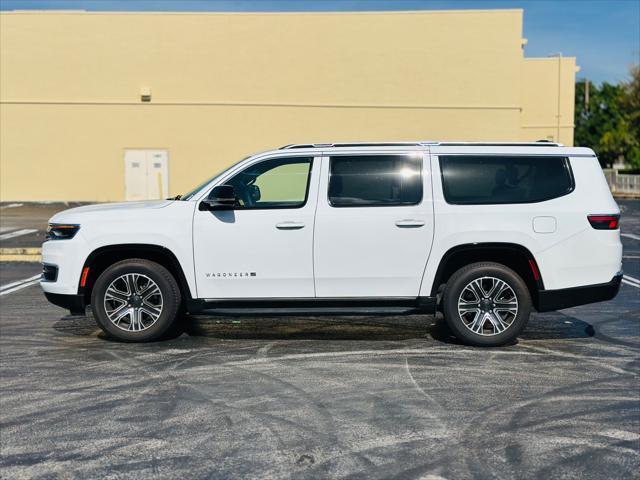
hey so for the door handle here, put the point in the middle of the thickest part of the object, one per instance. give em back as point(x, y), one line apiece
point(289, 225)
point(408, 223)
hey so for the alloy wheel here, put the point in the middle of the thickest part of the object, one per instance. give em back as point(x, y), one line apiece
point(488, 306)
point(133, 302)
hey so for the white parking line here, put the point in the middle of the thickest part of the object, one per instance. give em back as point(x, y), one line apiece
point(630, 235)
point(19, 282)
point(625, 281)
point(631, 279)
point(25, 285)
point(11, 205)
point(17, 233)
point(19, 285)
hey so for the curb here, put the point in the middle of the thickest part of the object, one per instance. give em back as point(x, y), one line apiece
point(20, 255)
point(626, 196)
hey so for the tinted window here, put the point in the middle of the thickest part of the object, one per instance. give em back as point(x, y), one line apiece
point(502, 179)
point(368, 180)
point(273, 183)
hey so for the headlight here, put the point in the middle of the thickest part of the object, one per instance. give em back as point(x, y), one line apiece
point(61, 231)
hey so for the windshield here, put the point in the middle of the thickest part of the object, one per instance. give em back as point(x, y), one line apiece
point(189, 196)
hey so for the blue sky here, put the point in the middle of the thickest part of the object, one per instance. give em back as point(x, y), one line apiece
point(603, 35)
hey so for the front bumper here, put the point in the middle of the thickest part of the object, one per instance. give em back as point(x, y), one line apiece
point(68, 257)
point(549, 300)
point(74, 303)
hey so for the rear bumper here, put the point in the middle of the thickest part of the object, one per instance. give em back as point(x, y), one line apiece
point(74, 303)
point(549, 300)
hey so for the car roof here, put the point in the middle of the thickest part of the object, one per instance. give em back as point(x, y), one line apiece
point(448, 147)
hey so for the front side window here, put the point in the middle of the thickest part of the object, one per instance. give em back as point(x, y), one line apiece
point(273, 183)
point(481, 180)
point(375, 180)
point(194, 191)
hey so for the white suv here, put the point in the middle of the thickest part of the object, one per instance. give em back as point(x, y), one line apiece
point(483, 232)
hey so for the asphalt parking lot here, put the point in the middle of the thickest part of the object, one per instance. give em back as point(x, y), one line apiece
point(337, 396)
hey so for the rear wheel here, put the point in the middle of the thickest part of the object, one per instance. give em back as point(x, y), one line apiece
point(135, 300)
point(486, 304)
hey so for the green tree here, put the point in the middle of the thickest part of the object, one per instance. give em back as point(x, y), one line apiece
point(607, 118)
point(632, 108)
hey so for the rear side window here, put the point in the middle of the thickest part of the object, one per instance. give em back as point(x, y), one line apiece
point(375, 180)
point(477, 180)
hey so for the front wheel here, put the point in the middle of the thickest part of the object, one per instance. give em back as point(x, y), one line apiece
point(486, 304)
point(135, 300)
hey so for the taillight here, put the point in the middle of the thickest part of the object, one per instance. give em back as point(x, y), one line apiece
point(604, 222)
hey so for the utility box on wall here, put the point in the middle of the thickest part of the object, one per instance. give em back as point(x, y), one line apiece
point(146, 174)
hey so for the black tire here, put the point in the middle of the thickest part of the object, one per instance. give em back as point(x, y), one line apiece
point(517, 321)
point(170, 298)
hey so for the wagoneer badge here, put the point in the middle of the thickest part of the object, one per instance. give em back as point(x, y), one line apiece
point(230, 274)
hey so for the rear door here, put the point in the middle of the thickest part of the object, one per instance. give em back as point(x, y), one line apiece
point(374, 224)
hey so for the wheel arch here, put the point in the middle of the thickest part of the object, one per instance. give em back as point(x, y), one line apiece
point(101, 258)
point(512, 255)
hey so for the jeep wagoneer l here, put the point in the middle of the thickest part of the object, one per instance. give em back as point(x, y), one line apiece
point(483, 232)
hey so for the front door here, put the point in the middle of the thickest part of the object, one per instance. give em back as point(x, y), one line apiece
point(374, 225)
point(262, 248)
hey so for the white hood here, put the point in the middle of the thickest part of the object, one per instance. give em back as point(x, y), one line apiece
point(109, 207)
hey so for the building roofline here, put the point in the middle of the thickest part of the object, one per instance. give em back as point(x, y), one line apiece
point(551, 59)
point(316, 13)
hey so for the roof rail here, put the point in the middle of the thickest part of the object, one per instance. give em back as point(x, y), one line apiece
point(357, 144)
point(538, 143)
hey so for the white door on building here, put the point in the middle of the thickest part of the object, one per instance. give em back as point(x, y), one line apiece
point(146, 174)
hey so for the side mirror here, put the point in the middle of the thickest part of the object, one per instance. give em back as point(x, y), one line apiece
point(254, 193)
point(222, 197)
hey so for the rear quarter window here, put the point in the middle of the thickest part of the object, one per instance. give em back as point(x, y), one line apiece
point(481, 180)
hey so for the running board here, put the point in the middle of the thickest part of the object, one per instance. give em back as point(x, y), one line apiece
point(315, 305)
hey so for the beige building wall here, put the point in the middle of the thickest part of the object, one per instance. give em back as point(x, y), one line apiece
point(548, 93)
point(227, 85)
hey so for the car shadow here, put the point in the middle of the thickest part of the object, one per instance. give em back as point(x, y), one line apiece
point(318, 327)
point(371, 327)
